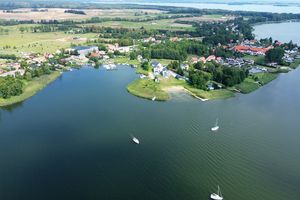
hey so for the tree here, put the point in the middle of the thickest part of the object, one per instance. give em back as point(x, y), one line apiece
point(198, 79)
point(173, 65)
point(199, 65)
point(145, 66)
point(133, 55)
point(10, 86)
point(274, 55)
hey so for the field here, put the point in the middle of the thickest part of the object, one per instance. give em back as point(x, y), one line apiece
point(247, 86)
point(31, 88)
point(265, 78)
point(206, 18)
point(16, 42)
point(147, 89)
point(164, 24)
point(59, 14)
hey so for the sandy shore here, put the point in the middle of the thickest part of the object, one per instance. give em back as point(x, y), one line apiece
point(177, 89)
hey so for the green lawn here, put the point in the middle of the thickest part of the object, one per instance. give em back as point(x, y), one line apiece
point(265, 78)
point(147, 89)
point(31, 88)
point(247, 86)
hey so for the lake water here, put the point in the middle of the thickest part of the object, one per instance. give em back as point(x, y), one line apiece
point(73, 141)
point(244, 7)
point(283, 32)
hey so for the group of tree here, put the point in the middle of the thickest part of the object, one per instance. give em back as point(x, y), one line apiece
point(8, 56)
point(275, 55)
point(10, 86)
point(201, 73)
point(77, 12)
point(176, 50)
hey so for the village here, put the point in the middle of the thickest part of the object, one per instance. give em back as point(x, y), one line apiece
point(83, 55)
point(241, 65)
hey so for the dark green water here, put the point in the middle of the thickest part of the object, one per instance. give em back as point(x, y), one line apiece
point(72, 141)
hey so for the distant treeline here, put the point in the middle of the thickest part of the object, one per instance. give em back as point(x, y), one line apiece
point(77, 12)
point(254, 17)
point(8, 56)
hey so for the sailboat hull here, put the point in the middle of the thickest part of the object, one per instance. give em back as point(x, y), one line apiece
point(215, 128)
point(215, 197)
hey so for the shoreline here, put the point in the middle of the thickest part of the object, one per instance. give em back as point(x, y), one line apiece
point(31, 88)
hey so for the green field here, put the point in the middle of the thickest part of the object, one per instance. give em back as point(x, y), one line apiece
point(164, 24)
point(247, 86)
point(265, 78)
point(147, 89)
point(37, 42)
point(31, 88)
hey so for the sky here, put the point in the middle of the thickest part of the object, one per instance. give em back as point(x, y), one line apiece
point(177, 1)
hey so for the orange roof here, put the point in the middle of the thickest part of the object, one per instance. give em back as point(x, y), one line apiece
point(242, 48)
point(94, 54)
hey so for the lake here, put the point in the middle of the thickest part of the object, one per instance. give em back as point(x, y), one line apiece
point(283, 32)
point(73, 141)
point(234, 7)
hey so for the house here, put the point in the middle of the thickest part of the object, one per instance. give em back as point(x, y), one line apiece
point(194, 60)
point(252, 50)
point(157, 68)
point(112, 48)
point(124, 49)
point(184, 67)
point(210, 86)
point(139, 58)
point(156, 64)
point(202, 59)
point(255, 70)
point(150, 39)
point(210, 58)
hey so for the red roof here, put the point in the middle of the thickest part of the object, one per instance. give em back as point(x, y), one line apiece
point(241, 48)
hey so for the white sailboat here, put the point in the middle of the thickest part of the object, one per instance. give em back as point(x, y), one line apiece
point(216, 127)
point(135, 140)
point(153, 98)
point(217, 196)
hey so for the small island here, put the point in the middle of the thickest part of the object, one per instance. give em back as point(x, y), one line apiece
point(209, 54)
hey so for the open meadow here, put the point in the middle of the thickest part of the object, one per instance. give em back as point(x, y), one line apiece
point(59, 14)
point(16, 42)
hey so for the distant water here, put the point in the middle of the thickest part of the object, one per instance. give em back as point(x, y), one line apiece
point(283, 32)
point(244, 7)
point(73, 141)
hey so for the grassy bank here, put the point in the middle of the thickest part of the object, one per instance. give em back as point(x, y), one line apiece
point(251, 84)
point(209, 95)
point(247, 86)
point(295, 64)
point(31, 88)
point(147, 89)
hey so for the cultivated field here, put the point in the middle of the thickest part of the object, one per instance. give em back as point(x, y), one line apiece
point(206, 18)
point(59, 14)
point(164, 24)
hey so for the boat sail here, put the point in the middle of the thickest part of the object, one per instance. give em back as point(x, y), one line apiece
point(216, 127)
point(217, 196)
